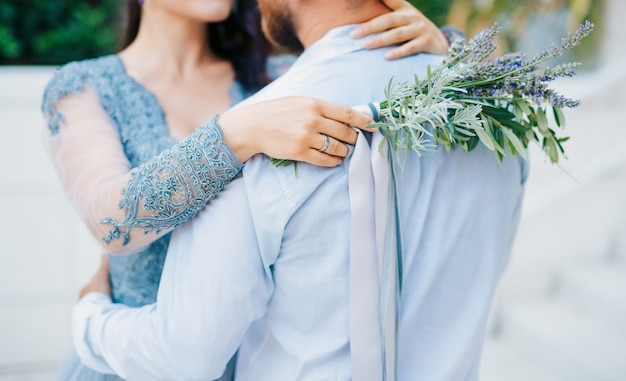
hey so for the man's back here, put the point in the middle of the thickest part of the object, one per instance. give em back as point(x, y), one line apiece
point(458, 214)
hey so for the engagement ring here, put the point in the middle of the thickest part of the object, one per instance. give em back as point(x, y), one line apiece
point(326, 143)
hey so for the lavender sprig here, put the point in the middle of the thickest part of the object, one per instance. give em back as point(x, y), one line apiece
point(501, 103)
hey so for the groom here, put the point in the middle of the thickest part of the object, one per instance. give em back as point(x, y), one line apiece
point(267, 268)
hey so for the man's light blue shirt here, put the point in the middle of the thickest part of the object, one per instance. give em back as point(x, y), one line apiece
point(264, 268)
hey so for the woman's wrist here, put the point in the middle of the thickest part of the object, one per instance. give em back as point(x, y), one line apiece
point(238, 136)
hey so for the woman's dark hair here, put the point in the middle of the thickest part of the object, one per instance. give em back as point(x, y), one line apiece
point(238, 39)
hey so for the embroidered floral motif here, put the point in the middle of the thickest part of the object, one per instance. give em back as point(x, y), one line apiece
point(67, 80)
point(167, 191)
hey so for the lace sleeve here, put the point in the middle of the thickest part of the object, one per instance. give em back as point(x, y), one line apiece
point(85, 148)
point(174, 186)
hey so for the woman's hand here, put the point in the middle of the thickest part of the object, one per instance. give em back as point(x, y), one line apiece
point(293, 128)
point(100, 281)
point(405, 24)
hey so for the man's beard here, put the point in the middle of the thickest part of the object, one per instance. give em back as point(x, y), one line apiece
point(278, 25)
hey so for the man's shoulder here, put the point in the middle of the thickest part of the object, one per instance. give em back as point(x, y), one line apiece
point(417, 63)
point(290, 185)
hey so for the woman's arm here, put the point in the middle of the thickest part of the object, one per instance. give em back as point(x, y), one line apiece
point(126, 210)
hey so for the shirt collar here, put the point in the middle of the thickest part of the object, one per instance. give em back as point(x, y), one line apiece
point(335, 42)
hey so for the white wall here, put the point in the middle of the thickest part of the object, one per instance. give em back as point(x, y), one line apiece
point(44, 251)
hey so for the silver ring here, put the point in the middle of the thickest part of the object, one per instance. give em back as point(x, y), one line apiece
point(326, 143)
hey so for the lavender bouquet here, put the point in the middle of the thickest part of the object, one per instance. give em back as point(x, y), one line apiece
point(469, 99)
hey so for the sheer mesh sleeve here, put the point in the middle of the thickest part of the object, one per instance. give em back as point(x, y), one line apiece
point(130, 209)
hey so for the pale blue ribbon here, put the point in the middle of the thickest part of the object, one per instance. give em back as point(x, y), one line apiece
point(375, 260)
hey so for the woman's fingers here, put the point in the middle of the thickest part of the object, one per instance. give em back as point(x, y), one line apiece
point(412, 47)
point(379, 24)
point(293, 128)
point(400, 15)
point(337, 131)
point(394, 5)
point(405, 24)
point(394, 36)
point(332, 146)
point(345, 115)
point(316, 157)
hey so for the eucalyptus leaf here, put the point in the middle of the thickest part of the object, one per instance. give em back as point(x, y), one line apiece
point(559, 118)
point(519, 147)
point(524, 107)
point(552, 150)
point(514, 125)
point(542, 121)
point(472, 143)
point(486, 139)
point(498, 138)
point(498, 113)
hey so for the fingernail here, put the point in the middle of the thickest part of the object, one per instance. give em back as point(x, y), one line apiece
point(356, 32)
point(369, 43)
point(390, 55)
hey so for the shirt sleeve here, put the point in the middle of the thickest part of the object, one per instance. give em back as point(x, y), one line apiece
point(214, 285)
point(115, 202)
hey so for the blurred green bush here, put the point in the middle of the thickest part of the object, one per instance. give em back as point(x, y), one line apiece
point(55, 32)
point(437, 11)
point(478, 14)
point(547, 19)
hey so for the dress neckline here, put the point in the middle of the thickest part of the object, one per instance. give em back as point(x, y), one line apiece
point(152, 98)
point(236, 92)
point(123, 69)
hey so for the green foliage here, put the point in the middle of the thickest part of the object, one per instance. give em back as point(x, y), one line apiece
point(9, 46)
point(515, 17)
point(437, 11)
point(55, 32)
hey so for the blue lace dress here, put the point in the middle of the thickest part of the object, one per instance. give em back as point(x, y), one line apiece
point(170, 182)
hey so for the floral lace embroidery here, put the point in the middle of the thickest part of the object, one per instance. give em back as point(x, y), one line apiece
point(144, 134)
point(167, 189)
point(177, 184)
point(65, 81)
point(135, 111)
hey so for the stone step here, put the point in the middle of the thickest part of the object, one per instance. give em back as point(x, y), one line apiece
point(566, 339)
point(502, 360)
point(41, 376)
point(33, 371)
point(598, 289)
point(33, 334)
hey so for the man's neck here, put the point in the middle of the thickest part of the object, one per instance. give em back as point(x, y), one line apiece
point(313, 21)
